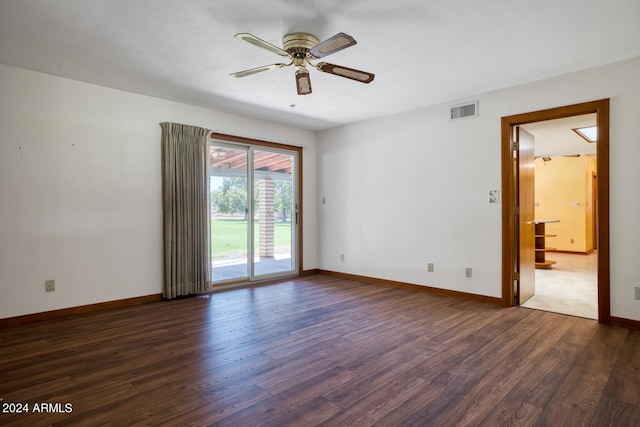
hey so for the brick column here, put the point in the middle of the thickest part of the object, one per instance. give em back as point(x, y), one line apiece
point(266, 218)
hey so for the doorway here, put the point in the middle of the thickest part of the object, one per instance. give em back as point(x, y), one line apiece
point(518, 270)
point(254, 204)
point(566, 261)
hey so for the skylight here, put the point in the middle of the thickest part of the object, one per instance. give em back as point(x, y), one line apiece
point(590, 134)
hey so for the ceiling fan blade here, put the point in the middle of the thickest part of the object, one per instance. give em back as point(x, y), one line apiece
point(338, 42)
point(257, 70)
point(250, 38)
point(350, 73)
point(303, 82)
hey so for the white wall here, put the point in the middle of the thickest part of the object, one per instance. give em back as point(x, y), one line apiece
point(409, 189)
point(80, 189)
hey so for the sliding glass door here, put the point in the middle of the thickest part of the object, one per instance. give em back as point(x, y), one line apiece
point(254, 213)
point(228, 185)
point(275, 212)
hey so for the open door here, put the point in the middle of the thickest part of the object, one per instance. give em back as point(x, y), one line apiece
point(524, 157)
point(511, 198)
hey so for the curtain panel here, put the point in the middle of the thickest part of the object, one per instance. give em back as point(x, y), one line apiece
point(185, 198)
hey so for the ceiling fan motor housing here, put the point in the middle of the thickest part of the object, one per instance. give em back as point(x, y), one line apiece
point(299, 44)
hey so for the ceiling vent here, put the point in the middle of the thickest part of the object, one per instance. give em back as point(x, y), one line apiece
point(463, 111)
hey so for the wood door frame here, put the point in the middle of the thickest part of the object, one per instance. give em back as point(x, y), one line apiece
point(594, 209)
point(601, 108)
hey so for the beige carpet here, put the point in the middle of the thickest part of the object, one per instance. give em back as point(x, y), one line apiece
point(570, 287)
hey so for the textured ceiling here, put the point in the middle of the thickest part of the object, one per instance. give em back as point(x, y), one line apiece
point(422, 53)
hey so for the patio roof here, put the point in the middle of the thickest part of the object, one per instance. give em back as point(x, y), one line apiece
point(267, 161)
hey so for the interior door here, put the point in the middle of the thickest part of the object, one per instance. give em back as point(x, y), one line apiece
point(525, 169)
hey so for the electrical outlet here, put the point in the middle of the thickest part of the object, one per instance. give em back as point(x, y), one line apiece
point(49, 285)
point(468, 272)
point(572, 241)
point(430, 267)
point(341, 257)
point(637, 292)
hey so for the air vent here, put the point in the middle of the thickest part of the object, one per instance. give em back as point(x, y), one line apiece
point(463, 111)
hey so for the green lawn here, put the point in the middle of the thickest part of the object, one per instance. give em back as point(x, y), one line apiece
point(229, 237)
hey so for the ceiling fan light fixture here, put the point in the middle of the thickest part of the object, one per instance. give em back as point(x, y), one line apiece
point(301, 49)
point(303, 82)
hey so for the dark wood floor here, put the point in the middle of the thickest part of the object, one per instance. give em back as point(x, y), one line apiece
point(322, 351)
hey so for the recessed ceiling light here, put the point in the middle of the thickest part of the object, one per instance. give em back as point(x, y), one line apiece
point(590, 134)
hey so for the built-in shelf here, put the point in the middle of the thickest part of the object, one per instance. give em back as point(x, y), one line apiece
point(541, 248)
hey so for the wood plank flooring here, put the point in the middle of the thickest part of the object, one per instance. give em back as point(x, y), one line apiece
point(323, 351)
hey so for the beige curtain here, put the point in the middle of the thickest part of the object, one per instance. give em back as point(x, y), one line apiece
point(185, 198)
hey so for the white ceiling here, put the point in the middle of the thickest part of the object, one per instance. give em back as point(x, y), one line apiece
point(557, 138)
point(422, 52)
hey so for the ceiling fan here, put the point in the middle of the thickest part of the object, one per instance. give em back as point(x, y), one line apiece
point(301, 49)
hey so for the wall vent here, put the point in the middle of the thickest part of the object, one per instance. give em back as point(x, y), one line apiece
point(463, 111)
